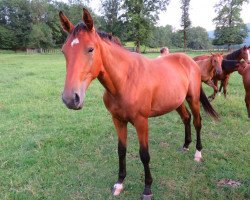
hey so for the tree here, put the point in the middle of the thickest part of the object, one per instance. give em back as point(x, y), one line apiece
point(230, 28)
point(185, 21)
point(111, 9)
point(7, 38)
point(16, 17)
point(198, 38)
point(139, 17)
point(161, 37)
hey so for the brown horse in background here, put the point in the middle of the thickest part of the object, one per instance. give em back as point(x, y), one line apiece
point(244, 71)
point(136, 88)
point(210, 67)
point(227, 67)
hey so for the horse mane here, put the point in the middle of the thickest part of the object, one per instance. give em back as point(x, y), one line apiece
point(81, 26)
point(233, 55)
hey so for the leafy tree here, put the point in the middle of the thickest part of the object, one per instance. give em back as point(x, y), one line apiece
point(15, 16)
point(161, 37)
point(198, 38)
point(185, 21)
point(230, 28)
point(41, 36)
point(178, 39)
point(7, 38)
point(111, 22)
point(139, 17)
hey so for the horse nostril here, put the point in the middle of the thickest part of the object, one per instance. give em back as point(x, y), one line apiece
point(77, 99)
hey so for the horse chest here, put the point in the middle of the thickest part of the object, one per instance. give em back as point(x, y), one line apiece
point(124, 107)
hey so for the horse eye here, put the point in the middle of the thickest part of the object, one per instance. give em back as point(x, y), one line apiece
point(91, 50)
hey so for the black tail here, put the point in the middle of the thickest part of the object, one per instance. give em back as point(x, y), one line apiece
point(207, 106)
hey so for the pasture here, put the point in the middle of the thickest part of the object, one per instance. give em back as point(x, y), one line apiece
point(50, 152)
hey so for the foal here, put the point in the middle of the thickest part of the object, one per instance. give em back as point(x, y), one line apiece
point(210, 67)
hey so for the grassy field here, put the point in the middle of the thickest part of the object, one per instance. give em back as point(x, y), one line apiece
point(50, 152)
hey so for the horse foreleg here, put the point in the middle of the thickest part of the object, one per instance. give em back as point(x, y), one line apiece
point(211, 84)
point(212, 96)
point(121, 129)
point(247, 101)
point(225, 84)
point(195, 108)
point(141, 125)
point(186, 118)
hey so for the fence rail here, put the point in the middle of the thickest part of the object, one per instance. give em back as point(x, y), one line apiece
point(132, 49)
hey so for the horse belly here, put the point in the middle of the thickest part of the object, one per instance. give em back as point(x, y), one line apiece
point(168, 97)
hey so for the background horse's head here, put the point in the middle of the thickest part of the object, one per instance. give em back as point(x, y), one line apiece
point(245, 53)
point(83, 62)
point(216, 60)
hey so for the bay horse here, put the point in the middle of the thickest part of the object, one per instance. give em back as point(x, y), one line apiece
point(244, 71)
point(238, 55)
point(210, 67)
point(136, 88)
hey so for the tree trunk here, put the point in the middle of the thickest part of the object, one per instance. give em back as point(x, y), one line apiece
point(185, 39)
point(138, 47)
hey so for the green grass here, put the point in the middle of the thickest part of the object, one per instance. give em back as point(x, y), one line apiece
point(50, 152)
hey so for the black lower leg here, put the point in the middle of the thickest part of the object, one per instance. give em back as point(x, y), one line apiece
point(188, 139)
point(145, 158)
point(198, 135)
point(122, 162)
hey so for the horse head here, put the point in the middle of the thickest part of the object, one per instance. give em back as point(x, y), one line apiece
point(245, 53)
point(216, 60)
point(83, 62)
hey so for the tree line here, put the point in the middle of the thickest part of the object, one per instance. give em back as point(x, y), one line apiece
point(35, 24)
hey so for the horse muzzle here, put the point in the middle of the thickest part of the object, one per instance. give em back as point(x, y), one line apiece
point(218, 72)
point(73, 101)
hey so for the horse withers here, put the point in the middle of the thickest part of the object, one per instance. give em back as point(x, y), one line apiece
point(244, 71)
point(136, 88)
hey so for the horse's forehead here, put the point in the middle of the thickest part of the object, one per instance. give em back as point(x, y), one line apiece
point(75, 41)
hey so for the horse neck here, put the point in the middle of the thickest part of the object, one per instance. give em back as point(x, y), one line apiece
point(209, 66)
point(114, 71)
point(234, 55)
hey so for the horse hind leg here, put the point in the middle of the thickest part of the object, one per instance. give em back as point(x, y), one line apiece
point(186, 118)
point(194, 104)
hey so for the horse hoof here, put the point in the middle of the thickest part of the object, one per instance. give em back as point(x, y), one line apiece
point(117, 189)
point(198, 159)
point(198, 156)
point(184, 149)
point(146, 197)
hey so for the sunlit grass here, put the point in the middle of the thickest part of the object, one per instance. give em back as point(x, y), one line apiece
point(50, 152)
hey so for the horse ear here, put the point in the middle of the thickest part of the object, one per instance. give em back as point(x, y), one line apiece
point(245, 47)
point(66, 24)
point(87, 19)
point(211, 53)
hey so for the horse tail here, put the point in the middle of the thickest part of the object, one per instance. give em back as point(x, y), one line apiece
point(207, 106)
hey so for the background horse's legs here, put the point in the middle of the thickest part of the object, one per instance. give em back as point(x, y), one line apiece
point(195, 108)
point(186, 118)
point(121, 129)
point(141, 125)
point(225, 84)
